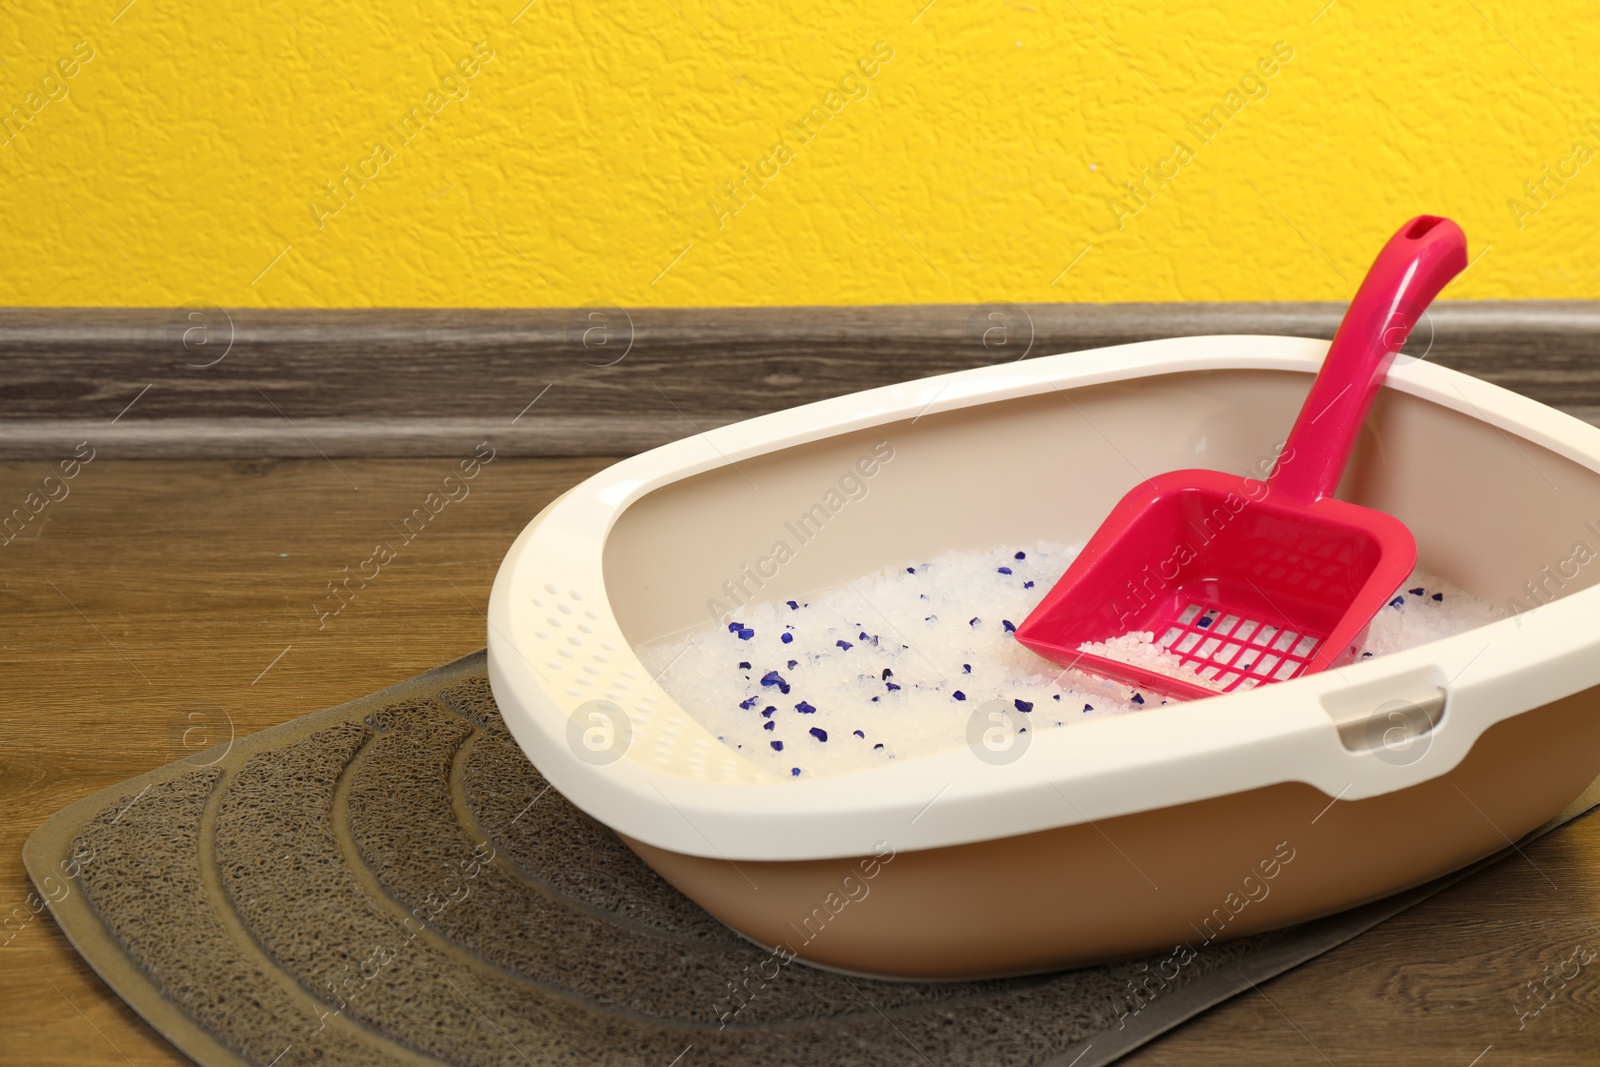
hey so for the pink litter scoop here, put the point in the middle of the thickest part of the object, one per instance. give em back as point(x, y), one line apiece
point(1249, 582)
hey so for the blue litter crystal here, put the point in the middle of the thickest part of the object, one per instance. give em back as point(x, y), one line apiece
point(1023, 705)
point(846, 645)
point(774, 678)
point(744, 665)
point(777, 746)
point(1137, 699)
point(746, 634)
point(974, 621)
point(1003, 570)
point(1020, 555)
point(748, 704)
point(1010, 626)
point(959, 695)
point(1438, 596)
point(787, 637)
point(769, 725)
point(1088, 707)
point(1027, 585)
point(1397, 601)
point(966, 668)
point(892, 687)
point(859, 734)
point(794, 772)
point(793, 663)
point(793, 606)
point(819, 733)
point(766, 712)
point(1418, 591)
point(805, 708)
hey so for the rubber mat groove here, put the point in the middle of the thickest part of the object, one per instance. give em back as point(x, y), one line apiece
point(391, 881)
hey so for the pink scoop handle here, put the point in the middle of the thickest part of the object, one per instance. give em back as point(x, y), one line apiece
point(1418, 261)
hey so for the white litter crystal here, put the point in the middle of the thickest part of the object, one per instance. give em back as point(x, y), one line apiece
point(1139, 649)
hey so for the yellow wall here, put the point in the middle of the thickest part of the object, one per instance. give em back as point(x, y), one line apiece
point(589, 154)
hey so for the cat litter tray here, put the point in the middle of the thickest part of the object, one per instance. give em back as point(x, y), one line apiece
point(1169, 828)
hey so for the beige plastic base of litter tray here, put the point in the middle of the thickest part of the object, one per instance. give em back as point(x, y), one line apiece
point(1136, 884)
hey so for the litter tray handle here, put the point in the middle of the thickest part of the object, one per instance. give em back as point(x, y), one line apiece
point(1393, 717)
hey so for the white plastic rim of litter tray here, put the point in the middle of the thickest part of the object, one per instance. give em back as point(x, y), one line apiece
point(677, 787)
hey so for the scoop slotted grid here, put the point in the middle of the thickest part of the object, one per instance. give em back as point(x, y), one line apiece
point(1233, 651)
point(1304, 570)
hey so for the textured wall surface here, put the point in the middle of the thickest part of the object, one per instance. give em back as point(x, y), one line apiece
point(703, 152)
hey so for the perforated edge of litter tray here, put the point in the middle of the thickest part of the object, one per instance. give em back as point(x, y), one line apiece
point(584, 955)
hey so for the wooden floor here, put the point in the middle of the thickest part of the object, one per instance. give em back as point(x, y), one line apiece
point(158, 592)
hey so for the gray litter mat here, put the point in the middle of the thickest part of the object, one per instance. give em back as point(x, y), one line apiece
point(391, 881)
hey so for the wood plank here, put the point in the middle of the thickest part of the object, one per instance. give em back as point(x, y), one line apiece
point(208, 382)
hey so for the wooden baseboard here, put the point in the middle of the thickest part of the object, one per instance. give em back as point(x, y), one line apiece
point(208, 383)
point(250, 437)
